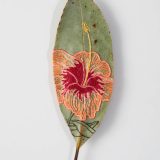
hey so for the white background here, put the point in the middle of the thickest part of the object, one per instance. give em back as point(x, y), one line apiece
point(31, 125)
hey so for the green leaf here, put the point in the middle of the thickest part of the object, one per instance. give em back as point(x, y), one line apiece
point(83, 28)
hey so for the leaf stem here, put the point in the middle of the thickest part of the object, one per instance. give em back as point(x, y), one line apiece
point(77, 153)
point(79, 143)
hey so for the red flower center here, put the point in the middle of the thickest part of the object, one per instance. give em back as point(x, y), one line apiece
point(74, 77)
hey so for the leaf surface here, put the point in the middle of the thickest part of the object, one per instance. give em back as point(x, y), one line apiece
point(83, 67)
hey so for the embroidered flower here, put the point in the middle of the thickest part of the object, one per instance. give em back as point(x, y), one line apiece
point(79, 93)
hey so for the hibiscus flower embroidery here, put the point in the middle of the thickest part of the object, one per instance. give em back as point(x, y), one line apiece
point(82, 88)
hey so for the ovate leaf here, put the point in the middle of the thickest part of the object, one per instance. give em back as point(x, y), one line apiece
point(83, 67)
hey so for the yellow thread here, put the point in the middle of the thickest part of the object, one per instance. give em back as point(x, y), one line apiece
point(85, 27)
point(87, 30)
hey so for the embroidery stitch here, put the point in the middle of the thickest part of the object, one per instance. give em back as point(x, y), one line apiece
point(70, 73)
